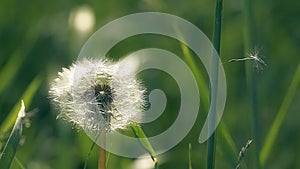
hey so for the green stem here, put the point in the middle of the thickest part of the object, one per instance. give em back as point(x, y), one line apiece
point(190, 156)
point(211, 148)
point(139, 133)
point(279, 119)
point(249, 41)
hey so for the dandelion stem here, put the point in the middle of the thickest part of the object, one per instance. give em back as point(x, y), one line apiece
point(102, 158)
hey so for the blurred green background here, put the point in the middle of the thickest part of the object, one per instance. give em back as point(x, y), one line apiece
point(38, 38)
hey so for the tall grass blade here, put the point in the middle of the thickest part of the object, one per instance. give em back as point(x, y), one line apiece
point(10, 69)
point(277, 123)
point(249, 41)
point(190, 156)
point(226, 143)
point(197, 74)
point(216, 40)
point(12, 144)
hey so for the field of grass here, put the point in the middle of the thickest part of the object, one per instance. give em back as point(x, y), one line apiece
point(258, 44)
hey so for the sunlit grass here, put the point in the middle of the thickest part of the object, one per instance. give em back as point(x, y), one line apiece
point(45, 133)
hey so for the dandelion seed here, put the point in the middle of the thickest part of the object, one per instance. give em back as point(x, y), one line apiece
point(95, 95)
point(253, 56)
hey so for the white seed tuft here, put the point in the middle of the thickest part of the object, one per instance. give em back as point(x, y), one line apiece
point(96, 95)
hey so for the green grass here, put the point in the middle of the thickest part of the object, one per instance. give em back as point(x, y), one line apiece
point(139, 133)
point(216, 40)
point(26, 50)
point(27, 96)
point(249, 45)
point(279, 119)
point(11, 147)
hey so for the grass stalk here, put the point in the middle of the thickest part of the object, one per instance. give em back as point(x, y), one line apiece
point(89, 154)
point(139, 133)
point(226, 143)
point(277, 123)
point(242, 154)
point(249, 41)
point(27, 96)
point(190, 156)
point(211, 147)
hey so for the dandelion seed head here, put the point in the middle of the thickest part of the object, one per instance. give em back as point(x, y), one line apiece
point(96, 95)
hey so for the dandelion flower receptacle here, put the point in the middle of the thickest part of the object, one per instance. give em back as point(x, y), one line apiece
point(96, 95)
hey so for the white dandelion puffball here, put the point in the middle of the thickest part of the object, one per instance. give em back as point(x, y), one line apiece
point(96, 95)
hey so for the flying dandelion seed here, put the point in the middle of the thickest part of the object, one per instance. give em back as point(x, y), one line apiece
point(253, 56)
point(95, 95)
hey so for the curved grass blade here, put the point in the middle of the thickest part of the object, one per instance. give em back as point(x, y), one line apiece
point(12, 144)
point(139, 133)
point(197, 74)
point(273, 132)
point(27, 97)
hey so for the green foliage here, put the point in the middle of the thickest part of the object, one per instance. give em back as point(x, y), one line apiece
point(190, 156)
point(12, 144)
point(216, 41)
point(37, 38)
point(251, 78)
point(27, 97)
point(279, 119)
point(139, 133)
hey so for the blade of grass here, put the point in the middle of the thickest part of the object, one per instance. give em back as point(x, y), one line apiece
point(19, 163)
point(89, 155)
point(10, 69)
point(226, 141)
point(249, 41)
point(12, 66)
point(216, 40)
point(190, 156)
point(277, 123)
point(198, 76)
point(12, 144)
point(226, 144)
point(27, 97)
point(139, 133)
